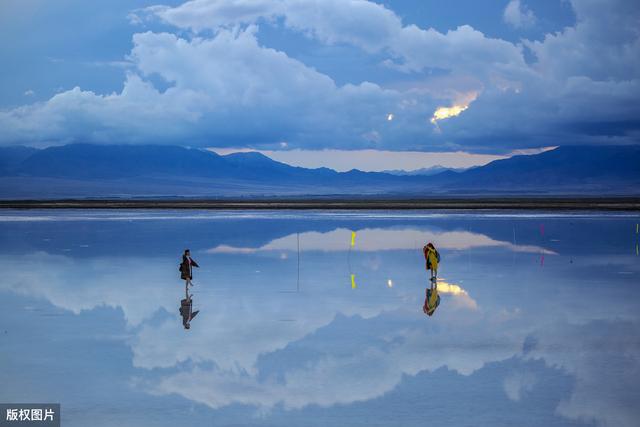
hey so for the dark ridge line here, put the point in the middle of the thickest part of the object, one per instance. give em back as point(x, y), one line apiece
point(524, 203)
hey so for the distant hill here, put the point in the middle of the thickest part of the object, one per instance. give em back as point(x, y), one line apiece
point(84, 170)
point(12, 157)
point(96, 162)
point(433, 170)
point(576, 169)
point(85, 161)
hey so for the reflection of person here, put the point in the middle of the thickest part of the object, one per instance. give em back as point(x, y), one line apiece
point(432, 257)
point(432, 300)
point(186, 311)
point(186, 268)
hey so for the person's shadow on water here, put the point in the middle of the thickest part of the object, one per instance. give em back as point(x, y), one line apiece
point(431, 300)
point(186, 311)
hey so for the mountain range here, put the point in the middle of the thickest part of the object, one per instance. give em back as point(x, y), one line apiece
point(133, 171)
point(433, 170)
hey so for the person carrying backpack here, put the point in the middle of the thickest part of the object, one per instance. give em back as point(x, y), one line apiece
point(432, 258)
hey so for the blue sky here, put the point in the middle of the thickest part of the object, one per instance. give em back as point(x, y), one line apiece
point(312, 75)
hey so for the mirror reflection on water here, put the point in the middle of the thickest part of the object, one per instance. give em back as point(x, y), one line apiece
point(320, 318)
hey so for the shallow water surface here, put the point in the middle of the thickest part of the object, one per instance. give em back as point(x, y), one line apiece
point(538, 322)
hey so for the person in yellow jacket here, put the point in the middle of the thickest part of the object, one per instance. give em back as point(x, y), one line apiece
point(432, 258)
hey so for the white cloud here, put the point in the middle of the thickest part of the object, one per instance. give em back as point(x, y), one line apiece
point(518, 15)
point(519, 100)
point(374, 240)
point(134, 114)
point(367, 25)
point(330, 21)
point(346, 372)
point(517, 384)
point(199, 15)
point(62, 281)
point(228, 89)
point(213, 82)
point(605, 350)
point(603, 46)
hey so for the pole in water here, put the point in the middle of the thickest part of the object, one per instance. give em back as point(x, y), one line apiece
point(298, 282)
point(514, 244)
point(353, 242)
point(541, 250)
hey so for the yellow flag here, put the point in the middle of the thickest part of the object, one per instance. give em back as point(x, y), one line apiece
point(353, 238)
point(353, 281)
